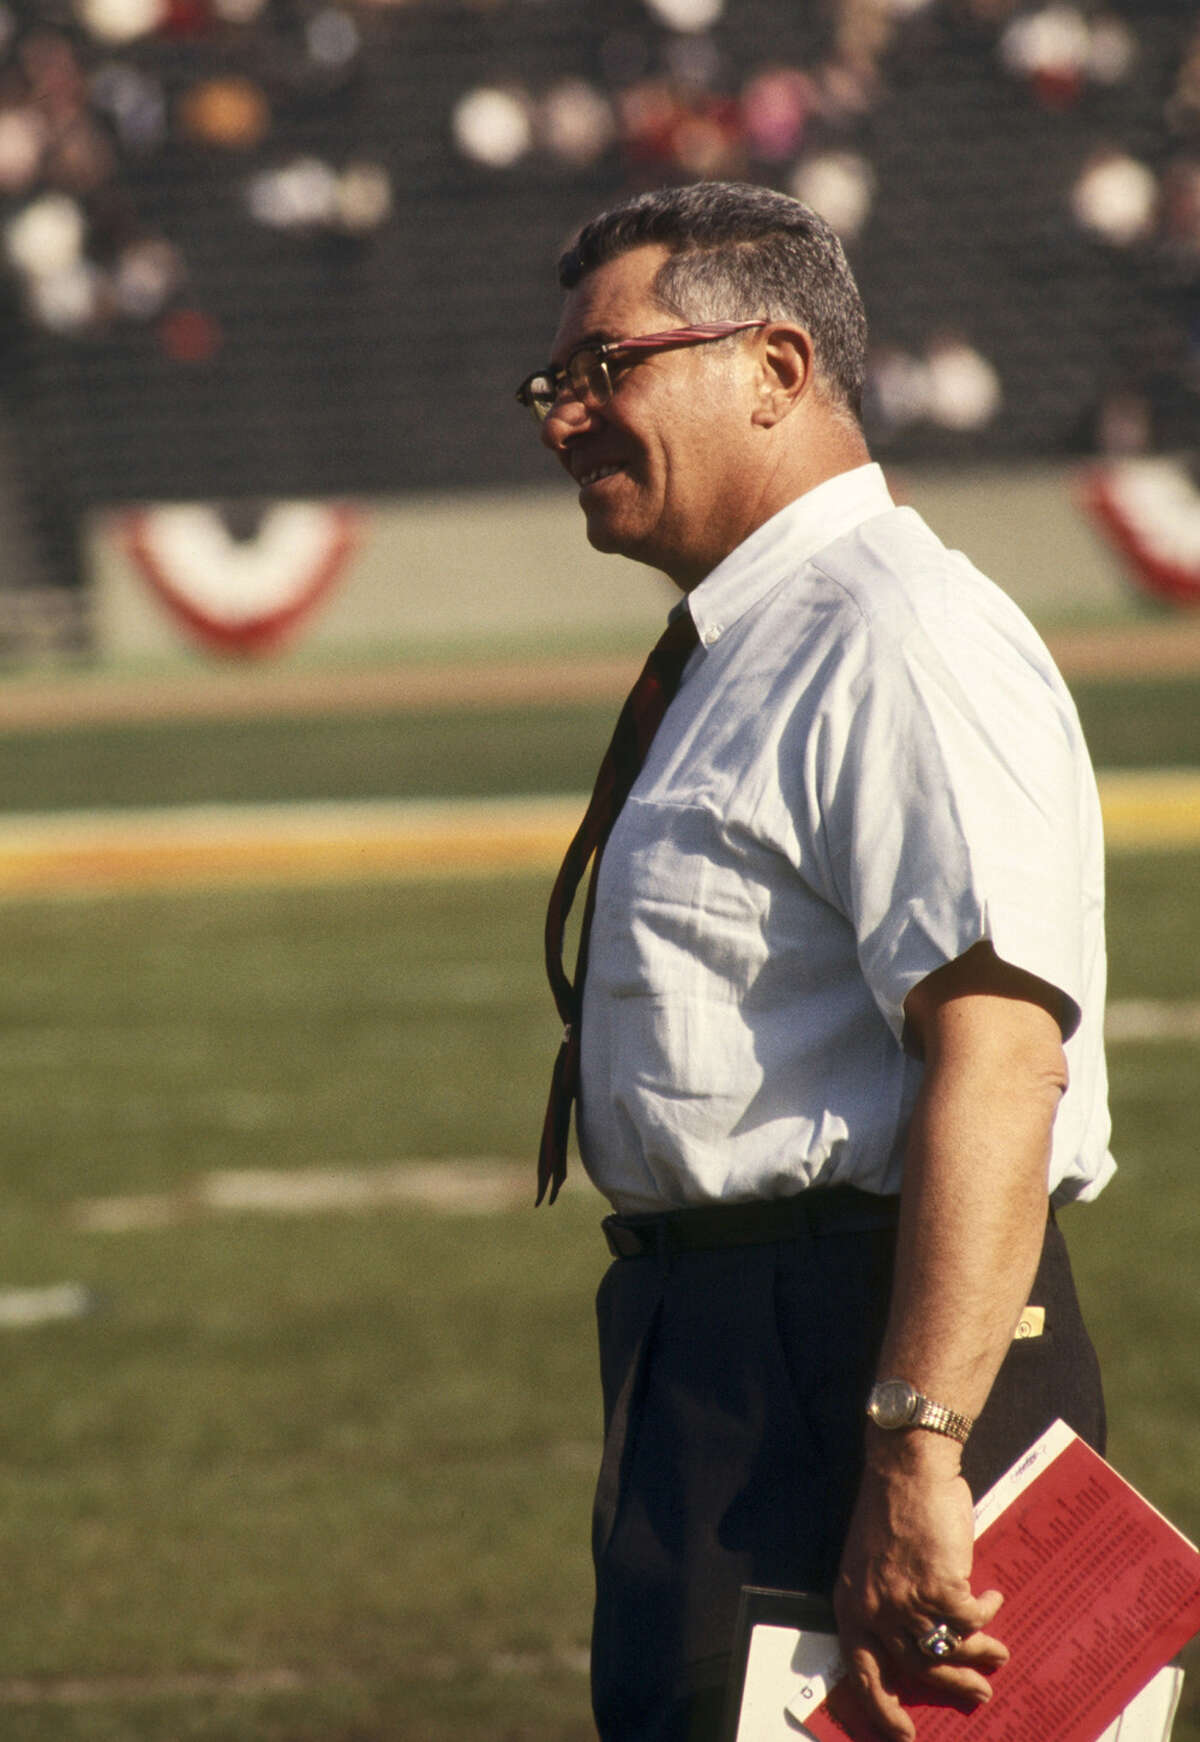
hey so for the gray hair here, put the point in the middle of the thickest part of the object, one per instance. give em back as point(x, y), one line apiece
point(739, 251)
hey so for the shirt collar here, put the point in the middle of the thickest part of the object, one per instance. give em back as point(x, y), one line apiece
point(790, 538)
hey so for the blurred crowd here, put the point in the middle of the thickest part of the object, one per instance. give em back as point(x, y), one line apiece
point(82, 111)
point(806, 129)
point(84, 108)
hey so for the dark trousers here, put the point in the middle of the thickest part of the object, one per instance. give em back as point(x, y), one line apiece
point(735, 1382)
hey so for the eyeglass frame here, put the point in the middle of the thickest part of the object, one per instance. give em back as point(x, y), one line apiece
point(543, 403)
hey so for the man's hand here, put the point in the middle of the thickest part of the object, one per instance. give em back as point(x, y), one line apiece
point(907, 1567)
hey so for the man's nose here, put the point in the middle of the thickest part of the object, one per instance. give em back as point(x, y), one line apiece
point(567, 417)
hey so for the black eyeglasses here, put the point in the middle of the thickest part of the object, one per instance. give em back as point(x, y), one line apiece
point(587, 371)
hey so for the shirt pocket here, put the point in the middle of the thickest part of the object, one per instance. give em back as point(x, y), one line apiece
point(681, 908)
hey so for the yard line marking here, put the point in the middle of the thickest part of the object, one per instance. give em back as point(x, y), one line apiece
point(22, 1308)
point(252, 1684)
point(74, 1691)
point(199, 845)
point(1146, 1019)
point(479, 1187)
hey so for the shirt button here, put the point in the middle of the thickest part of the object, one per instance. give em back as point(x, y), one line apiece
point(712, 634)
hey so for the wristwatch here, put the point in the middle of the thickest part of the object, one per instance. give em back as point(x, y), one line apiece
point(894, 1403)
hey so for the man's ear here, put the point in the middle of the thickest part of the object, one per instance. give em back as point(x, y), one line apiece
point(786, 372)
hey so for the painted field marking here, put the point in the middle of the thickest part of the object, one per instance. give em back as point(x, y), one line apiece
point(85, 851)
point(80, 1691)
point(255, 1684)
point(1150, 808)
point(456, 1187)
point(23, 1308)
point(1151, 1019)
point(194, 846)
point(482, 1186)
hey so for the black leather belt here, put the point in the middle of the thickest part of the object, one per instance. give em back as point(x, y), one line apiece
point(707, 1227)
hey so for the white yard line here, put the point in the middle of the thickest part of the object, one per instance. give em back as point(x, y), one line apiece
point(1146, 1019)
point(79, 1691)
point(478, 1187)
point(254, 1684)
point(458, 1188)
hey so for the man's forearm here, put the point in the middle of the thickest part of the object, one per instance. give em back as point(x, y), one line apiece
point(972, 1221)
point(973, 1203)
point(973, 1216)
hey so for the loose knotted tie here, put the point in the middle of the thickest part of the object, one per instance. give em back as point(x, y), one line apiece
point(637, 723)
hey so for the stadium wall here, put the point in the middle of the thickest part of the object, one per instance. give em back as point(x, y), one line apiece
point(512, 569)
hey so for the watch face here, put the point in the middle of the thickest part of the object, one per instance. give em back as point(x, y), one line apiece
point(891, 1404)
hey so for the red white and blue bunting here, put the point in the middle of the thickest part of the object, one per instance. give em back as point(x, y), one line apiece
point(247, 595)
point(1150, 510)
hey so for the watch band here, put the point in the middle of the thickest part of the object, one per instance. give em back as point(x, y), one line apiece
point(895, 1404)
point(941, 1420)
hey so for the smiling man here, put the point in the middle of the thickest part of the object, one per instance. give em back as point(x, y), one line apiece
point(834, 1032)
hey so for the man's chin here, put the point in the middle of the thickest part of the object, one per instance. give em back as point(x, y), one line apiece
point(612, 536)
point(603, 535)
point(603, 538)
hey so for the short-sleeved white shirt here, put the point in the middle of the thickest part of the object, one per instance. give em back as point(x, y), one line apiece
point(871, 765)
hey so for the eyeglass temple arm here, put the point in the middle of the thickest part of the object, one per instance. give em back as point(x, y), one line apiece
point(681, 335)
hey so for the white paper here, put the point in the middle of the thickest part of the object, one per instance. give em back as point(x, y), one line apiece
point(787, 1673)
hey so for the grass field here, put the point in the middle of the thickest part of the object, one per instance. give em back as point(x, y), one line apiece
point(326, 1477)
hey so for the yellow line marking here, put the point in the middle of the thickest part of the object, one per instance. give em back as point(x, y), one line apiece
point(1151, 808)
point(280, 843)
point(92, 851)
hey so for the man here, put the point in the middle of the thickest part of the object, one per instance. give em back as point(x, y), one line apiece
point(840, 1047)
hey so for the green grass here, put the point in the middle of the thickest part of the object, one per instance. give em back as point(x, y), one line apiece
point(358, 1449)
point(144, 1040)
point(461, 753)
point(337, 1447)
point(1141, 722)
point(1153, 947)
point(452, 752)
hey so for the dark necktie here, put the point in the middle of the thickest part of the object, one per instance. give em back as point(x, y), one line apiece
point(636, 725)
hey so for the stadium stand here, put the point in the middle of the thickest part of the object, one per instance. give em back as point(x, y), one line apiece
point(301, 248)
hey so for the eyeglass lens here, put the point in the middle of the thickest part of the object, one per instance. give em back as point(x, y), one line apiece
point(586, 373)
